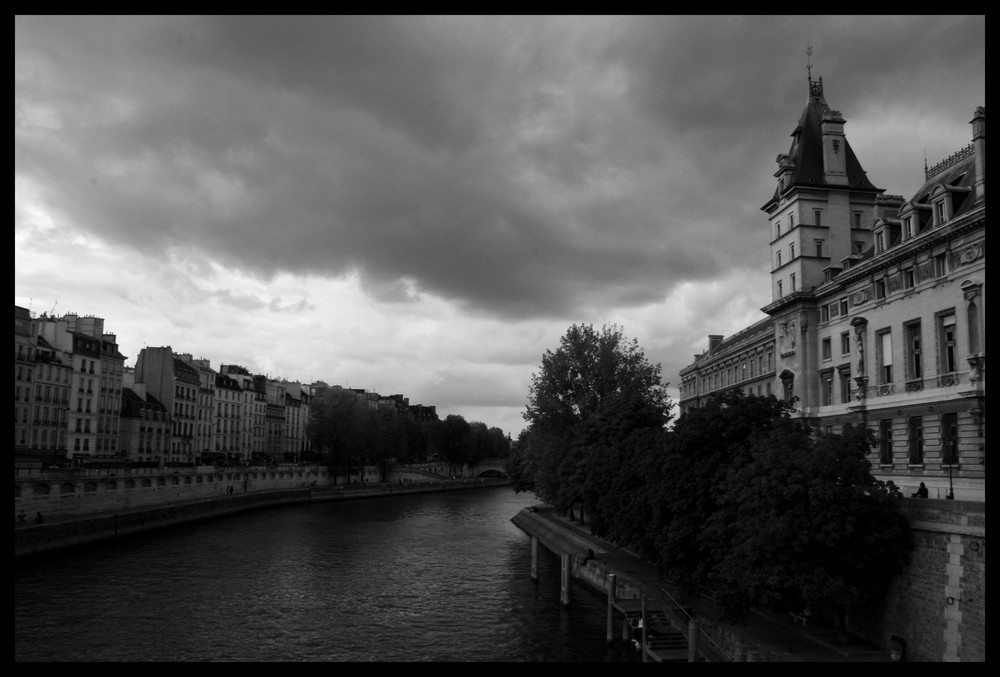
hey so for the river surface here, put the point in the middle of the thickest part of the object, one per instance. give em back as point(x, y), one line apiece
point(427, 577)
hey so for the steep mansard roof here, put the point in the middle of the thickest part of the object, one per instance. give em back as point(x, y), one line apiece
point(806, 152)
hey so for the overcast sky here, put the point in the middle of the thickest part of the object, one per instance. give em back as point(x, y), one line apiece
point(424, 205)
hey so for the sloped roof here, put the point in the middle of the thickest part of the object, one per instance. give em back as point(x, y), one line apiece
point(958, 171)
point(806, 151)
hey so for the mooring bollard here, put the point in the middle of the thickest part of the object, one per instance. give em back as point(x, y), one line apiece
point(642, 621)
point(534, 558)
point(612, 584)
point(692, 641)
point(566, 572)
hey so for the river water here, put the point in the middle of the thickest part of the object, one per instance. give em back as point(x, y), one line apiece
point(426, 577)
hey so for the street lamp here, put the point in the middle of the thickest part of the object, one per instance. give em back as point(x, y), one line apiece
point(951, 489)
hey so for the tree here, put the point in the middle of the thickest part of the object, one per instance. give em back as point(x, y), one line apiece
point(704, 445)
point(808, 526)
point(590, 374)
point(454, 443)
point(759, 510)
point(333, 429)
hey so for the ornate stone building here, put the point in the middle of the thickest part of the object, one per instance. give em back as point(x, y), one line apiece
point(877, 311)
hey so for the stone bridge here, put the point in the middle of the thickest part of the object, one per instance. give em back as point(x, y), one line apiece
point(492, 467)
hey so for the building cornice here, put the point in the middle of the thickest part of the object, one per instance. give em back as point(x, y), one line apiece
point(906, 250)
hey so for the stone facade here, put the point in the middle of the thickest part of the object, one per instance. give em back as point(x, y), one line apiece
point(878, 309)
point(937, 605)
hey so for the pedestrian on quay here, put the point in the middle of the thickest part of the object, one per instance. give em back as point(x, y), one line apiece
point(22, 518)
point(38, 518)
point(921, 492)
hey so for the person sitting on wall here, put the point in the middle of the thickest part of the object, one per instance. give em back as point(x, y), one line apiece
point(921, 492)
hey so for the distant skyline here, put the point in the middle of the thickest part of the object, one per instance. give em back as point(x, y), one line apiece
point(424, 204)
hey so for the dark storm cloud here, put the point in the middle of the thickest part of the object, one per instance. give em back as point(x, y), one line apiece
point(517, 166)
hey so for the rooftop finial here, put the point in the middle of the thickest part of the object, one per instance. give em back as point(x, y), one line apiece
point(809, 53)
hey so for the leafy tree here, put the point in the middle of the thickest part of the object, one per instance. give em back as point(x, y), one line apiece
point(807, 526)
point(759, 511)
point(590, 374)
point(704, 445)
point(454, 443)
point(333, 429)
point(499, 444)
point(416, 441)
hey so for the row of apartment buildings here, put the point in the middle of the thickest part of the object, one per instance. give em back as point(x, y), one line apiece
point(878, 307)
point(76, 401)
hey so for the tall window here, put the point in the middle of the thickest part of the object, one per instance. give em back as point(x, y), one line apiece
point(916, 430)
point(908, 227)
point(791, 250)
point(940, 265)
point(885, 357)
point(818, 217)
point(914, 360)
point(857, 219)
point(779, 259)
point(880, 289)
point(780, 292)
point(949, 438)
point(819, 247)
point(845, 385)
point(845, 343)
point(946, 332)
point(827, 388)
point(792, 283)
point(885, 441)
point(843, 307)
point(909, 278)
point(826, 349)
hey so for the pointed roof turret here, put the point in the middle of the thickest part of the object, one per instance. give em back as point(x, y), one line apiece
point(808, 162)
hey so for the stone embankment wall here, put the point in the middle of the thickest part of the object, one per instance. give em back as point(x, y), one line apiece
point(32, 539)
point(86, 506)
point(77, 492)
point(937, 605)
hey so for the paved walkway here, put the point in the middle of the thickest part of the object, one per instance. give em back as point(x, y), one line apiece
point(776, 635)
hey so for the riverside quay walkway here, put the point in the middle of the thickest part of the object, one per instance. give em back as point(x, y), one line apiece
point(676, 627)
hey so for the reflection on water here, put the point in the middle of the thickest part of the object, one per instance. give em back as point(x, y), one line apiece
point(432, 577)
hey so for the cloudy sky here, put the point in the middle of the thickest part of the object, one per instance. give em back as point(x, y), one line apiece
point(424, 205)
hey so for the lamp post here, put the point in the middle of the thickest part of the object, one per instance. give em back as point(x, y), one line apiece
point(951, 489)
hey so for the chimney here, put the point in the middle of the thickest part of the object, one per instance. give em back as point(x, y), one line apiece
point(979, 144)
point(713, 341)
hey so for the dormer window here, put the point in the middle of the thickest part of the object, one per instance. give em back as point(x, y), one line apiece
point(940, 215)
point(908, 228)
point(880, 242)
